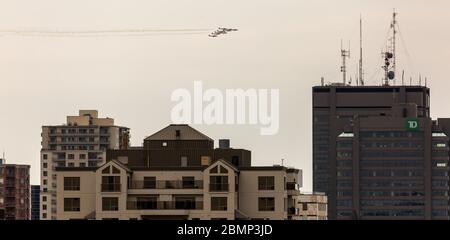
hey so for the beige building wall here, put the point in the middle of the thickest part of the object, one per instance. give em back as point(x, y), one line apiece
point(87, 195)
point(249, 194)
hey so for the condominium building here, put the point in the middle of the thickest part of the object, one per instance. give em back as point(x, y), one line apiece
point(14, 191)
point(377, 154)
point(35, 200)
point(178, 174)
point(81, 142)
point(313, 206)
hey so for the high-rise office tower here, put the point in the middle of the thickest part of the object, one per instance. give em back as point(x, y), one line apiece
point(378, 154)
point(81, 142)
point(14, 191)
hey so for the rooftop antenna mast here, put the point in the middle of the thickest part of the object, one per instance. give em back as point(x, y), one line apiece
point(389, 56)
point(344, 54)
point(361, 73)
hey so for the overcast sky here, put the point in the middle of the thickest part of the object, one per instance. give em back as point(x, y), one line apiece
point(283, 44)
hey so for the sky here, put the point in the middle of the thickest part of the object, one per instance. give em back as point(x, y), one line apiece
point(281, 44)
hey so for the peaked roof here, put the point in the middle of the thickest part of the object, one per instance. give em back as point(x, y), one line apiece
point(186, 133)
point(121, 165)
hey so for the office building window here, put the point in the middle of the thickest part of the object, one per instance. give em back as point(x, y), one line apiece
point(71, 183)
point(71, 204)
point(110, 204)
point(219, 204)
point(266, 204)
point(266, 183)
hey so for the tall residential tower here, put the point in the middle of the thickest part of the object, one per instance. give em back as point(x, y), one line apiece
point(81, 142)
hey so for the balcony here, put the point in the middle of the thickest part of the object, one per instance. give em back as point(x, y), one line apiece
point(111, 187)
point(174, 184)
point(218, 187)
point(164, 205)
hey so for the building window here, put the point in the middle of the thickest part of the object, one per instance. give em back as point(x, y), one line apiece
point(44, 181)
point(44, 165)
point(44, 198)
point(188, 182)
point(149, 182)
point(44, 215)
point(305, 206)
point(164, 144)
point(115, 170)
point(83, 164)
point(218, 183)
point(71, 183)
point(71, 156)
point(266, 183)
point(82, 156)
point(184, 161)
point(266, 204)
point(71, 204)
point(214, 170)
point(110, 204)
point(219, 204)
point(71, 164)
point(206, 160)
point(111, 184)
point(44, 173)
point(44, 207)
point(44, 156)
point(106, 170)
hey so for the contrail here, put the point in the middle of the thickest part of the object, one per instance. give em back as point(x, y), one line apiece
point(96, 33)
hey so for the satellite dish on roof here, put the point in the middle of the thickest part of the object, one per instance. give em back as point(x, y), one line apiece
point(391, 75)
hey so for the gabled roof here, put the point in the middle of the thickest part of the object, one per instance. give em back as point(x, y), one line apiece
point(224, 163)
point(121, 165)
point(186, 133)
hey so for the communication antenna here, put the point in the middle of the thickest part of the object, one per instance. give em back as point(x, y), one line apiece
point(394, 38)
point(344, 54)
point(389, 55)
point(361, 73)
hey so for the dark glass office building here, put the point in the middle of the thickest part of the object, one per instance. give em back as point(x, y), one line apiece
point(35, 206)
point(378, 154)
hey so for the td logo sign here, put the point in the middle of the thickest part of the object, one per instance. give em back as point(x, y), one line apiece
point(412, 124)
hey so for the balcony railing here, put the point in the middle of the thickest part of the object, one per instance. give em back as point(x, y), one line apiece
point(218, 187)
point(175, 184)
point(164, 205)
point(292, 186)
point(111, 187)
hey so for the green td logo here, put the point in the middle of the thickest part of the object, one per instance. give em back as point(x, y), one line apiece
point(412, 124)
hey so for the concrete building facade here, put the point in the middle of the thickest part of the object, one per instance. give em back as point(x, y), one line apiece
point(81, 142)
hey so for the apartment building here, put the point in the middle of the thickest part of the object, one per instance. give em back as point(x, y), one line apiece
point(313, 206)
point(177, 174)
point(81, 142)
point(14, 191)
point(378, 154)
